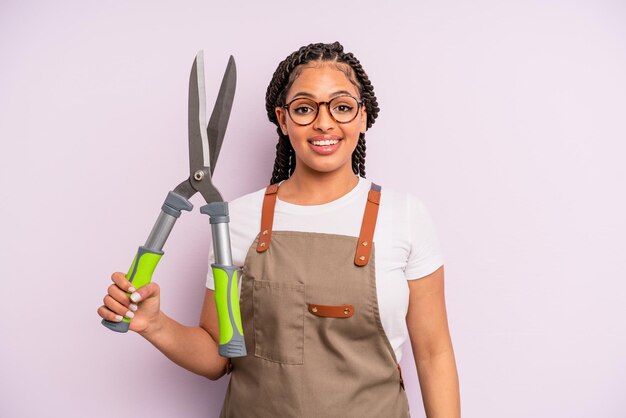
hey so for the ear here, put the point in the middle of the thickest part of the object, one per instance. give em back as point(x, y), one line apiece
point(281, 116)
point(363, 121)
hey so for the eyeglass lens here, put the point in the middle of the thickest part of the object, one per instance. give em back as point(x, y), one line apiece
point(304, 111)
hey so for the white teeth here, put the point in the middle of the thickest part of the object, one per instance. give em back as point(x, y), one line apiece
point(325, 142)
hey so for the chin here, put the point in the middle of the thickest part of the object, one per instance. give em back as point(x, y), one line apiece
point(329, 167)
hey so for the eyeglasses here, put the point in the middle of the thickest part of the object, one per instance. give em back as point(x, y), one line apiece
point(343, 109)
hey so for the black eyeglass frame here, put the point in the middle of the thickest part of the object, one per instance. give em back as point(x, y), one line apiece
point(359, 104)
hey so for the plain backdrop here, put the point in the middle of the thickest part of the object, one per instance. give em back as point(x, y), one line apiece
point(507, 118)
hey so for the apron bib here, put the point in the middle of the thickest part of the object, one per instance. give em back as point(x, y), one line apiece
point(316, 345)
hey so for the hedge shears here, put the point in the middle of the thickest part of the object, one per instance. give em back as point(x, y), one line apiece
point(205, 142)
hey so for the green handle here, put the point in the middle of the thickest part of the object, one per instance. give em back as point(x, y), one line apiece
point(139, 274)
point(231, 343)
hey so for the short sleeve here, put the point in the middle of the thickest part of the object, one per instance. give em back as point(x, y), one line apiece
point(210, 281)
point(425, 255)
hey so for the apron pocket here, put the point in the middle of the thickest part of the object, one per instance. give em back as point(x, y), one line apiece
point(279, 321)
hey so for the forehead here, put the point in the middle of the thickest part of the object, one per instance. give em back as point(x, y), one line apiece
point(321, 80)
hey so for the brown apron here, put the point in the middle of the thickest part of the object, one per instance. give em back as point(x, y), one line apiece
point(316, 345)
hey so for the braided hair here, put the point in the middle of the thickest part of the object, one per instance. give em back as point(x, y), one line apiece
point(284, 76)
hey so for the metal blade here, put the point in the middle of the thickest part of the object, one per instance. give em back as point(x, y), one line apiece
point(221, 112)
point(198, 142)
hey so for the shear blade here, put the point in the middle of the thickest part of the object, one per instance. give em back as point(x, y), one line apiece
point(198, 141)
point(221, 112)
point(205, 141)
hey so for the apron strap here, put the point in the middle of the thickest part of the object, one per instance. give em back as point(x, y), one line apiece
point(364, 244)
point(366, 236)
point(267, 217)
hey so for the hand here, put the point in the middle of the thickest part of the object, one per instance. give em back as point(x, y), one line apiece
point(143, 305)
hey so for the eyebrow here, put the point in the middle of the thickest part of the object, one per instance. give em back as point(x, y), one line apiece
point(311, 96)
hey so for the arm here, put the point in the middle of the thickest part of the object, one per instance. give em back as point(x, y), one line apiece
point(194, 348)
point(432, 347)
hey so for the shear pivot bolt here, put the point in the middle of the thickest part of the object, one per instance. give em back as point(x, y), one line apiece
point(364, 243)
point(314, 309)
point(362, 258)
point(262, 244)
point(198, 175)
point(265, 232)
point(346, 311)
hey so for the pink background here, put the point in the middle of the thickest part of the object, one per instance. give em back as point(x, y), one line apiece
point(506, 118)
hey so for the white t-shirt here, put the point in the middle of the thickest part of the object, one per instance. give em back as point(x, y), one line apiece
point(405, 238)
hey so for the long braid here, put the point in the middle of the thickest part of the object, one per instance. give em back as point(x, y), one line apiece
point(285, 159)
point(282, 79)
point(358, 157)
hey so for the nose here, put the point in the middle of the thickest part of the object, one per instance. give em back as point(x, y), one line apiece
point(324, 120)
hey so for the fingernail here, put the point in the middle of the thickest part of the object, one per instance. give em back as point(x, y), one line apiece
point(135, 297)
point(132, 307)
point(131, 290)
point(118, 318)
point(129, 314)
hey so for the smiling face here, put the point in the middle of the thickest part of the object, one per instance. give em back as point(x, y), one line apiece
point(324, 146)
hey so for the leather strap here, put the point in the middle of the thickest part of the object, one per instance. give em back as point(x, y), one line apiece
point(267, 218)
point(368, 225)
point(366, 236)
point(340, 311)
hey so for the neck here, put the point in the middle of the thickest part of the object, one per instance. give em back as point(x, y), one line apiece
point(307, 187)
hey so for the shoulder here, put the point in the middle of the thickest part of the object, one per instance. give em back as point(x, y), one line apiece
point(245, 210)
point(407, 212)
point(401, 202)
point(248, 201)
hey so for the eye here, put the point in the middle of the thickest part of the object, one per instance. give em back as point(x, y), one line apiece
point(343, 108)
point(344, 105)
point(303, 109)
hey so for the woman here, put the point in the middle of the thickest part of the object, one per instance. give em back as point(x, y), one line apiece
point(325, 257)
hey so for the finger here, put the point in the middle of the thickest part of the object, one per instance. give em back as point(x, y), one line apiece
point(122, 282)
point(117, 307)
point(151, 289)
point(120, 296)
point(105, 313)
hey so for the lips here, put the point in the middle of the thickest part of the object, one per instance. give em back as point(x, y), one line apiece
point(324, 144)
point(324, 139)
